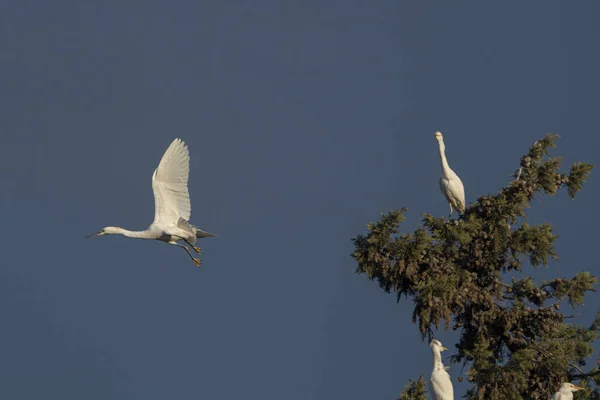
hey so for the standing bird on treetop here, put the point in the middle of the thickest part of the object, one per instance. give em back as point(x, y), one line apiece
point(566, 391)
point(172, 207)
point(440, 383)
point(450, 184)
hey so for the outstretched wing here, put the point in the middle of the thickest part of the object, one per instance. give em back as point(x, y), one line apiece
point(170, 186)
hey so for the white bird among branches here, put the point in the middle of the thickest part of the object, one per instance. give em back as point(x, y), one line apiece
point(440, 383)
point(450, 184)
point(172, 207)
point(566, 391)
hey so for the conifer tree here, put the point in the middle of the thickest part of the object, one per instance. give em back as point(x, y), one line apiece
point(515, 341)
point(415, 390)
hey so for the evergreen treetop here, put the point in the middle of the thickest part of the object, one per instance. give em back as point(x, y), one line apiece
point(514, 339)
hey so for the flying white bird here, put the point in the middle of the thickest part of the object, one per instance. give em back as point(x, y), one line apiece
point(566, 391)
point(450, 184)
point(172, 206)
point(440, 383)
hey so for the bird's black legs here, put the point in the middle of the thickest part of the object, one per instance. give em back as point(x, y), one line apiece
point(196, 249)
point(196, 260)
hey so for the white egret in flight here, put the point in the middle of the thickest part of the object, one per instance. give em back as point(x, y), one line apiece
point(450, 184)
point(440, 383)
point(566, 391)
point(172, 206)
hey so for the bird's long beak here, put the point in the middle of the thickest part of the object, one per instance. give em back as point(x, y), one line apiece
point(577, 387)
point(443, 348)
point(93, 234)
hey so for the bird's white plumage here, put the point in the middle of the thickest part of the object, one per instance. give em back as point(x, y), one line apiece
point(566, 391)
point(170, 186)
point(172, 208)
point(441, 385)
point(453, 190)
point(450, 184)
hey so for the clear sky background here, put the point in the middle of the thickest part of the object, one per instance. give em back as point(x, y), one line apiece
point(305, 120)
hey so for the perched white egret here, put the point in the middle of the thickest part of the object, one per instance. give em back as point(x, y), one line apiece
point(450, 184)
point(172, 206)
point(566, 391)
point(440, 383)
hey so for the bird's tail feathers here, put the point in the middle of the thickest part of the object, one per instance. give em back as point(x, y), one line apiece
point(202, 234)
point(186, 226)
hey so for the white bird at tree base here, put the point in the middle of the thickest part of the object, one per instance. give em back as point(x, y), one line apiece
point(566, 391)
point(450, 184)
point(440, 383)
point(172, 207)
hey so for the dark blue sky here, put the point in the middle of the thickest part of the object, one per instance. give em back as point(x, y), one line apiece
point(305, 120)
